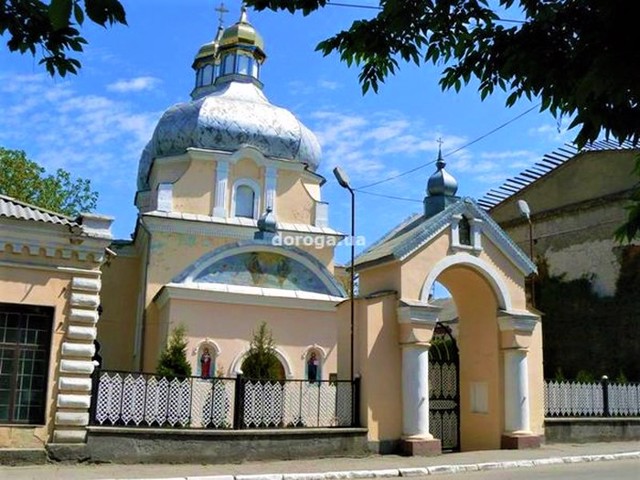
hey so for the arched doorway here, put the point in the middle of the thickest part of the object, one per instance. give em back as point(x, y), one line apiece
point(444, 395)
point(469, 417)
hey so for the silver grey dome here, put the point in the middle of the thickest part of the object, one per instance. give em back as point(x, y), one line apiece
point(233, 115)
point(442, 182)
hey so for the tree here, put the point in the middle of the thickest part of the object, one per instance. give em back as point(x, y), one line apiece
point(173, 359)
point(53, 28)
point(573, 55)
point(262, 362)
point(25, 180)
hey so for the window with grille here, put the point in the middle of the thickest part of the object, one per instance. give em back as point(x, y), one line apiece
point(464, 229)
point(25, 342)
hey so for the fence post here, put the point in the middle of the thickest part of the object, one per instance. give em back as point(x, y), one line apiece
point(604, 381)
point(355, 407)
point(238, 403)
point(95, 382)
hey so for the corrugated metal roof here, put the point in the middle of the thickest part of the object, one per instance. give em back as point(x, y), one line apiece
point(547, 164)
point(12, 208)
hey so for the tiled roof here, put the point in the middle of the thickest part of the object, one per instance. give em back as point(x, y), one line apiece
point(12, 208)
point(547, 164)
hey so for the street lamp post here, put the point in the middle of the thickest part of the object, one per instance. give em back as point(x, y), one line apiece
point(343, 180)
point(525, 211)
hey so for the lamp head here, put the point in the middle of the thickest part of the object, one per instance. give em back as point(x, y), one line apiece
point(342, 177)
point(525, 211)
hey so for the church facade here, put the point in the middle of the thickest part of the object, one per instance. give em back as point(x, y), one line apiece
point(232, 233)
point(214, 166)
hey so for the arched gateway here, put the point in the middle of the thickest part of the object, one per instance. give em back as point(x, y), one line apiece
point(499, 403)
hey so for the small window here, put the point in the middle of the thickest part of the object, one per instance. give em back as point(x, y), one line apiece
point(464, 231)
point(25, 338)
point(245, 201)
point(227, 67)
point(313, 366)
point(207, 75)
point(243, 65)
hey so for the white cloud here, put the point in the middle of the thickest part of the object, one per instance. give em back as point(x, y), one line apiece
point(92, 136)
point(136, 84)
point(554, 132)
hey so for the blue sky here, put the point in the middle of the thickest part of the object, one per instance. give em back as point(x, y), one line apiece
point(96, 124)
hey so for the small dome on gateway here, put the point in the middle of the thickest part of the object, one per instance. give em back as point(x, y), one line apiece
point(229, 110)
point(442, 182)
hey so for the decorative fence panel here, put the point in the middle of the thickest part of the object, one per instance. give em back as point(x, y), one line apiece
point(603, 399)
point(146, 400)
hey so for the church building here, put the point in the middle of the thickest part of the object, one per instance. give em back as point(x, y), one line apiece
point(232, 230)
point(232, 233)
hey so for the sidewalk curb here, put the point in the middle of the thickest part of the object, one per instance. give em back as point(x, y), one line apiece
point(419, 471)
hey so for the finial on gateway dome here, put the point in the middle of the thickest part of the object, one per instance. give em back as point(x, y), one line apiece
point(441, 187)
point(440, 163)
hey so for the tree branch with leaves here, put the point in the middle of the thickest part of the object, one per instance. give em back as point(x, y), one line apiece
point(52, 29)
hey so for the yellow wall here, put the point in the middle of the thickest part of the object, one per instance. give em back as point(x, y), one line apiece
point(120, 292)
point(42, 288)
point(231, 327)
point(381, 364)
point(294, 204)
point(193, 192)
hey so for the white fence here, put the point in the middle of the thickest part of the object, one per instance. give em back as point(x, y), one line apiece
point(143, 400)
point(603, 399)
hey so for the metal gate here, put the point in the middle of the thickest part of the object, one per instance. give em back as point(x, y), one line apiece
point(444, 395)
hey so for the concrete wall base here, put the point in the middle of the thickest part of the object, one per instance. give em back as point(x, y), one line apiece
point(421, 448)
point(22, 456)
point(520, 442)
point(384, 447)
point(582, 430)
point(142, 445)
point(65, 452)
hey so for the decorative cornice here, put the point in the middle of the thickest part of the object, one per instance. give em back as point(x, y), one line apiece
point(521, 321)
point(245, 295)
point(415, 312)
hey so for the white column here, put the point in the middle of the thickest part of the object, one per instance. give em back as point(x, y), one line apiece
point(415, 391)
point(516, 385)
point(222, 187)
point(271, 181)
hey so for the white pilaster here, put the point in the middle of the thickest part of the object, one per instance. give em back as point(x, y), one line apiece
point(271, 183)
point(516, 395)
point(222, 188)
point(415, 391)
point(76, 365)
point(164, 200)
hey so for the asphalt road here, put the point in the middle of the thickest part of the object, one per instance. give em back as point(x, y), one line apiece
point(618, 470)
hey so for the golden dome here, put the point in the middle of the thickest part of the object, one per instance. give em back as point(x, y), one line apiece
point(242, 33)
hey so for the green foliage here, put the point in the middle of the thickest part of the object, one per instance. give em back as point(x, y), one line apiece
point(558, 376)
point(261, 362)
point(173, 359)
point(585, 332)
point(631, 229)
point(621, 378)
point(573, 56)
point(25, 180)
point(34, 25)
point(585, 377)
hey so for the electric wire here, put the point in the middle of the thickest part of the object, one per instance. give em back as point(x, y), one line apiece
point(448, 154)
point(378, 7)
